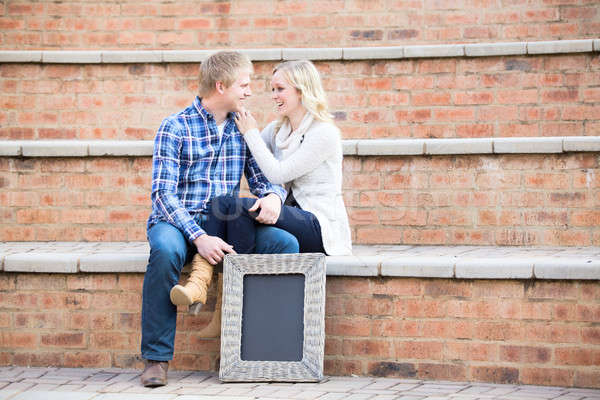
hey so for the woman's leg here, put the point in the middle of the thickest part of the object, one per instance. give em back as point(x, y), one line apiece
point(229, 219)
point(304, 226)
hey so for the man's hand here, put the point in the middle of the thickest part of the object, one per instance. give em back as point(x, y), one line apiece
point(270, 207)
point(212, 248)
point(245, 121)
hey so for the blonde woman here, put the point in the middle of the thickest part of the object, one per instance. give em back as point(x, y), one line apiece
point(302, 151)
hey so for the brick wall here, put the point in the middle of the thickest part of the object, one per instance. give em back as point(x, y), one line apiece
point(546, 95)
point(269, 23)
point(476, 199)
point(533, 332)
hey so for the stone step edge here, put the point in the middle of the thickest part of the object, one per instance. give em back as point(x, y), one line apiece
point(325, 53)
point(360, 147)
point(453, 262)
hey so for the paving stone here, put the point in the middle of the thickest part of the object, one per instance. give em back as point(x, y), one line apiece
point(47, 395)
point(7, 394)
point(69, 388)
point(92, 388)
point(116, 387)
point(134, 396)
point(19, 386)
point(333, 396)
point(309, 395)
point(386, 383)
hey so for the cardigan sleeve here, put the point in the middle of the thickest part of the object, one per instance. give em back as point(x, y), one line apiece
point(319, 144)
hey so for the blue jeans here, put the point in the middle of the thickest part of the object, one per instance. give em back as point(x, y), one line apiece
point(169, 252)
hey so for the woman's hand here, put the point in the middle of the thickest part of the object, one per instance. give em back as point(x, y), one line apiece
point(245, 121)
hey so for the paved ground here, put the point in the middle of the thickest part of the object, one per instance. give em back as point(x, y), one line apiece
point(18, 383)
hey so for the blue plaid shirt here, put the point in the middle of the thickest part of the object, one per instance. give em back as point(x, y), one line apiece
point(192, 163)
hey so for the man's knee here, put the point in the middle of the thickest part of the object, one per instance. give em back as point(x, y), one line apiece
point(167, 250)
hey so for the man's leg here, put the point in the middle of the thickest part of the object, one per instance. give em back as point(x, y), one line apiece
point(271, 240)
point(169, 251)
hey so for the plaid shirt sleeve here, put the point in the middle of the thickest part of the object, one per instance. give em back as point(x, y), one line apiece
point(258, 183)
point(165, 179)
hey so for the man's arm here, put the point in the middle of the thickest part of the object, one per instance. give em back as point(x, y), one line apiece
point(165, 179)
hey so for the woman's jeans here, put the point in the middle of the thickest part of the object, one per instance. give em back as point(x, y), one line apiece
point(169, 252)
point(230, 219)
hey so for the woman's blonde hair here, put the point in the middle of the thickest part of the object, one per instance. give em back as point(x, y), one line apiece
point(223, 66)
point(303, 75)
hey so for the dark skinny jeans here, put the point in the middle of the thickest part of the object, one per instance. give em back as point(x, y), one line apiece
point(230, 219)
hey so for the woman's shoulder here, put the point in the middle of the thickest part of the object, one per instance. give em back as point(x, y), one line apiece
point(325, 129)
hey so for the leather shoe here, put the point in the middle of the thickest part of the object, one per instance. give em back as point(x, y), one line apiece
point(155, 373)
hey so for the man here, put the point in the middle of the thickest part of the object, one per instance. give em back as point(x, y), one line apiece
point(199, 154)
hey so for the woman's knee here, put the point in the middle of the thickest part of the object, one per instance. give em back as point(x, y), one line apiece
point(228, 207)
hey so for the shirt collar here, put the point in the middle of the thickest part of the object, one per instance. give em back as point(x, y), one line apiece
point(204, 112)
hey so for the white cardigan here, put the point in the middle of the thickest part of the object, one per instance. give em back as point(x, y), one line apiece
point(314, 172)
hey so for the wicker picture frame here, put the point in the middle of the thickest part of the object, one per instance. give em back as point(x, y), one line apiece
point(310, 368)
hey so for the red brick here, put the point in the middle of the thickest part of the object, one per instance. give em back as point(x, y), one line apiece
point(463, 351)
point(547, 376)
point(38, 359)
point(357, 326)
point(422, 350)
point(87, 359)
point(65, 340)
point(576, 356)
point(504, 375)
point(367, 347)
point(525, 354)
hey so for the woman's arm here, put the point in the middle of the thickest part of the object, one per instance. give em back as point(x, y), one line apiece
point(318, 144)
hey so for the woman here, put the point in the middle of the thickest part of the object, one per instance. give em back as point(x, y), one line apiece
point(301, 150)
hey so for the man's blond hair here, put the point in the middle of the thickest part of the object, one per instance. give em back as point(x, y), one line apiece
point(223, 66)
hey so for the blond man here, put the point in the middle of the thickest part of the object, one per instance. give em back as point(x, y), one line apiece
point(199, 153)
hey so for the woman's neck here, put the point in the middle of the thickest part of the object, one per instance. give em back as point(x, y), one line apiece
point(296, 118)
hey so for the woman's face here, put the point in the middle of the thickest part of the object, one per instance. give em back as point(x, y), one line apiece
point(288, 100)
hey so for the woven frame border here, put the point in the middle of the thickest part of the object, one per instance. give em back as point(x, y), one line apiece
point(310, 368)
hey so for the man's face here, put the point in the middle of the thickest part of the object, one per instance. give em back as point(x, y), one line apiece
point(238, 91)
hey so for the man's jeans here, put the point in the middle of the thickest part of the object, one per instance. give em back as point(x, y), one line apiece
point(169, 252)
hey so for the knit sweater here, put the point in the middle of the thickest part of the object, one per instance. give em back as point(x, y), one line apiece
point(314, 173)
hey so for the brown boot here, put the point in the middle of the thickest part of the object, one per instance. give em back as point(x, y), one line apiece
point(213, 329)
point(197, 284)
point(155, 373)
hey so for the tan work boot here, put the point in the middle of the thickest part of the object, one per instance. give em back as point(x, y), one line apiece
point(196, 287)
point(213, 329)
